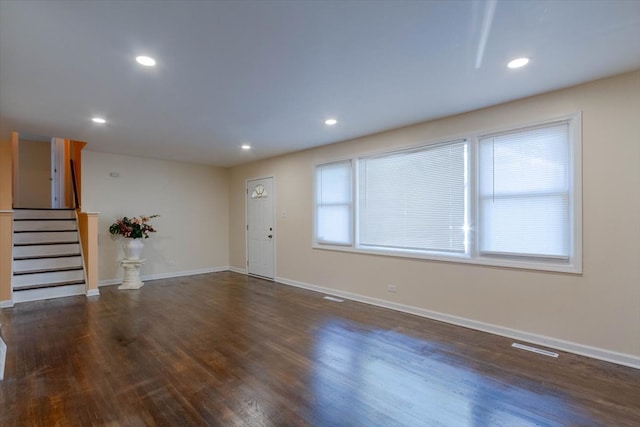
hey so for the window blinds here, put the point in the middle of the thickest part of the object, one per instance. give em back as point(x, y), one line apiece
point(414, 200)
point(524, 192)
point(333, 200)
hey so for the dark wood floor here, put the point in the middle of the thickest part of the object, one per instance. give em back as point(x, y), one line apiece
point(229, 350)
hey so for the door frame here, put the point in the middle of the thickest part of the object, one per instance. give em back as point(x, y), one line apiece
point(246, 224)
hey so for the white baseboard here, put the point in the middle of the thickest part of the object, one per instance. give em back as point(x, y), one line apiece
point(6, 304)
point(238, 270)
point(568, 346)
point(109, 282)
point(93, 292)
point(171, 275)
point(3, 357)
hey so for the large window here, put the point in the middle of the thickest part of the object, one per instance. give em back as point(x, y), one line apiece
point(414, 200)
point(508, 198)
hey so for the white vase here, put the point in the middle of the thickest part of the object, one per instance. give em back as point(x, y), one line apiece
point(133, 248)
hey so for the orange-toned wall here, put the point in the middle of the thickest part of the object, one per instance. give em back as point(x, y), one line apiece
point(5, 174)
point(6, 218)
point(88, 226)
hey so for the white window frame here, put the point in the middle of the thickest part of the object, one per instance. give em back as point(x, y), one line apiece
point(472, 254)
point(574, 262)
point(325, 243)
point(408, 251)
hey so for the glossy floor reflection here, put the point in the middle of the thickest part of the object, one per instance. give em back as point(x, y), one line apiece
point(225, 349)
point(386, 378)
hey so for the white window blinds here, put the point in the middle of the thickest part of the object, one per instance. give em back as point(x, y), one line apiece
point(414, 200)
point(524, 192)
point(333, 202)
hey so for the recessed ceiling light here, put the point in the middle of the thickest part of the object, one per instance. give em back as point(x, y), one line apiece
point(517, 63)
point(246, 147)
point(147, 61)
point(330, 122)
point(99, 120)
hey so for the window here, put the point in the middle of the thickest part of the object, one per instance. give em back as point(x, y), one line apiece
point(414, 200)
point(524, 192)
point(259, 192)
point(509, 198)
point(333, 203)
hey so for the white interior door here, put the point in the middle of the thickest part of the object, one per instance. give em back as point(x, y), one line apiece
point(260, 227)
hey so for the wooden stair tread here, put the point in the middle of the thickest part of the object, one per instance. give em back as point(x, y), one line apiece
point(32, 224)
point(47, 285)
point(48, 243)
point(47, 270)
point(24, 258)
point(42, 231)
point(44, 219)
point(43, 209)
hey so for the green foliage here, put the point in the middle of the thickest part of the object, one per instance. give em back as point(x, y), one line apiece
point(133, 228)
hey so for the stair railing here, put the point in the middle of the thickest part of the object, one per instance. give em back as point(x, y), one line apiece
point(75, 185)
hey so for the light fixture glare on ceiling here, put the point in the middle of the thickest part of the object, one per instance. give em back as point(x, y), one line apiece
point(246, 147)
point(330, 122)
point(99, 120)
point(147, 61)
point(517, 63)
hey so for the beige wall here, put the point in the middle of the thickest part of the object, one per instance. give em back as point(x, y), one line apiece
point(191, 199)
point(34, 174)
point(599, 308)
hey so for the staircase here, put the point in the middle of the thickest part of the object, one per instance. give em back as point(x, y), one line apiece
point(47, 262)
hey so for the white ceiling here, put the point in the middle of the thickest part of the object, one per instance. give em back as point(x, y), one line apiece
point(269, 73)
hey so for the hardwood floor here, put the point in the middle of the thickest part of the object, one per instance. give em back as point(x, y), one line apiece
point(225, 349)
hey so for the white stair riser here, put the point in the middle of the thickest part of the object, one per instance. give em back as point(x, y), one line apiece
point(38, 214)
point(48, 293)
point(69, 248)
point(44, 225)
point(44, 263)
point(45, 236)
point(47, 277)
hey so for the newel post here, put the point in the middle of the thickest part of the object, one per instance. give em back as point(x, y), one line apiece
point(88, 227)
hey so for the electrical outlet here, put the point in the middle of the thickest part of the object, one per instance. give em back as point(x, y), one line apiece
point(392, 288)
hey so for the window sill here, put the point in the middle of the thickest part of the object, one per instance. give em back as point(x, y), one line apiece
point(521, 264)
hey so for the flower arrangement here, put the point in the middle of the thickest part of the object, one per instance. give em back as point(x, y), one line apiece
point(133, 228)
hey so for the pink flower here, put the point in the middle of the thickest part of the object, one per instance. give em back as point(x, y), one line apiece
point(134, 228)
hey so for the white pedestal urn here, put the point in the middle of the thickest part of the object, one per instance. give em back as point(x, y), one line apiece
point(134, 229)
point(131, 264)
point(131, 278)
point(133, 248)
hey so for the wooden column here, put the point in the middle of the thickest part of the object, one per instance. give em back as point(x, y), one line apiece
point(6, 258)
point(88, 228)
point(6, 219)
